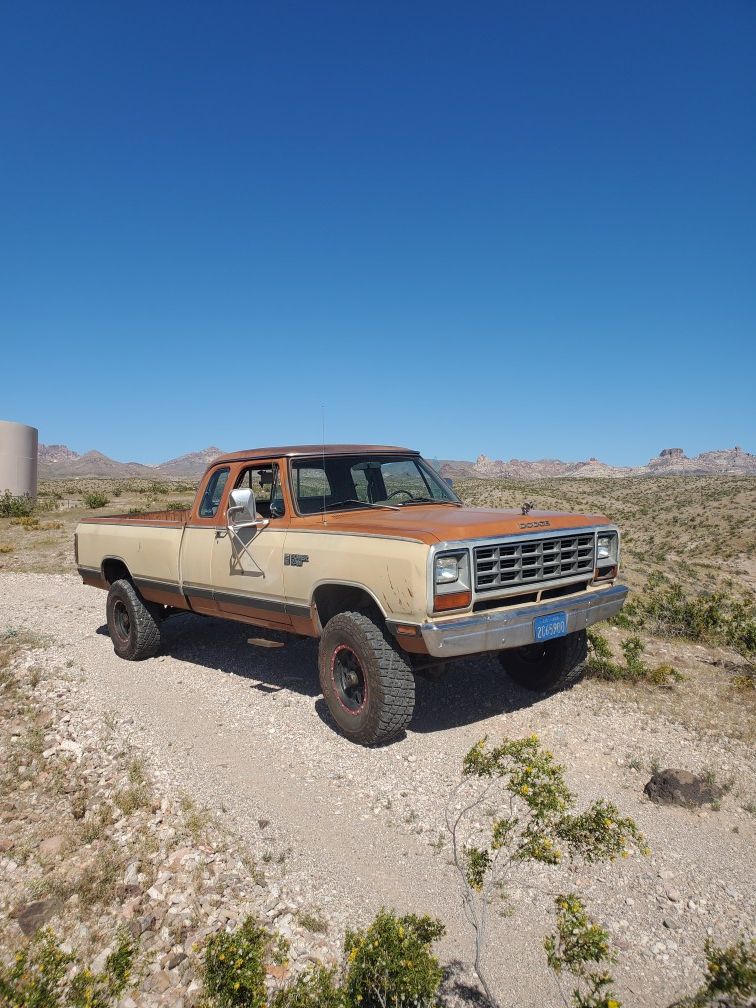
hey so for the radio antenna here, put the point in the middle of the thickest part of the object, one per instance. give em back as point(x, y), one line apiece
point(322, 418)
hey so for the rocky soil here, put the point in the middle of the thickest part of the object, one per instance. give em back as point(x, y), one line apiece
point(180, 793)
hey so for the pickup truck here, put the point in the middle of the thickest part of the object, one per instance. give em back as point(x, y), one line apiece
point(370, 550)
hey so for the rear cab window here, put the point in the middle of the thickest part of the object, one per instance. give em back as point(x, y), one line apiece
point(213, 494)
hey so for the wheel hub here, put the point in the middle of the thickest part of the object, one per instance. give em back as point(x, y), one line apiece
point(349, 680)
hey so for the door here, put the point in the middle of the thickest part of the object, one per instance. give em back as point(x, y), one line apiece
point(247, 563)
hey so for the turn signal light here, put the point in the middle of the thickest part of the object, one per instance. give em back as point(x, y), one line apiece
point(454, 600)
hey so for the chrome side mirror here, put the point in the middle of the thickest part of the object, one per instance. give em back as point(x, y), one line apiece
point(241, 504)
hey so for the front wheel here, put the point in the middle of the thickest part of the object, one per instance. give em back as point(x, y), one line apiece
point(133, 624)
point(366, 680)
point(547, 664)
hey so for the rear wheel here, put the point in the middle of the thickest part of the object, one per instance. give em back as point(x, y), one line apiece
point(366, 680)
point(547, 664)
point(134, 624)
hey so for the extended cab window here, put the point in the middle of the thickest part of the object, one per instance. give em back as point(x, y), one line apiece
point(265, 483)
point(213, 494)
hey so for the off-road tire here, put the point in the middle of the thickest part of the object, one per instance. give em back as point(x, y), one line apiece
point(549, 665)
point(133, 623)
point(389, 685)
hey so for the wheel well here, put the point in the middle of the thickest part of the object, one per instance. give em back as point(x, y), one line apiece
point(331, 599)
point(114, 569)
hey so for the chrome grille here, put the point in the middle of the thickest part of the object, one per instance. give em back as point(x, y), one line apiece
point(509, 564)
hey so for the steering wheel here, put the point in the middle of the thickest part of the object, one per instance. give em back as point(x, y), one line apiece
point(411, 497)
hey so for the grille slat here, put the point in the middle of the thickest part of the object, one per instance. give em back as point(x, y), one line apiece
point(507, 564)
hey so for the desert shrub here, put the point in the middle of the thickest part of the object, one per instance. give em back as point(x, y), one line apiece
point(713, 618)
point(390, 963)
point(42, 975)
point(317, 988)
point(511, 809)
point(28, 522)
point(730, 977)
point(580, 946)
point(136, 510)
point(177, 506)
point(16, 507)
point(234, 965)
point(159, 489)
point(6, 548)
point(116, 491)
point(601, 665)
point(95, 500)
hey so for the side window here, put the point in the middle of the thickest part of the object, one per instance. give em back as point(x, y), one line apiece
point(211, 498)
point(264, 481)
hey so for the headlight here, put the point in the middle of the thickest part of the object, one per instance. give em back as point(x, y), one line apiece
point(607, 555)
point(451, 581)
point(606, 546)
point(447, 568)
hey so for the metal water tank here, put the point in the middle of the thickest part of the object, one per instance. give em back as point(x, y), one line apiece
point(18, 458)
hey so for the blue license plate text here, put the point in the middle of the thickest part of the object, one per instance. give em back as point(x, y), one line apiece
point(548, 627)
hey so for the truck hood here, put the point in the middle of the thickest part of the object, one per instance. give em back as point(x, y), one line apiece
point(439, 523)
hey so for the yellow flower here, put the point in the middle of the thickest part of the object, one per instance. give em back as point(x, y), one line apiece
point(401, 931)
point(608, 823)
point(359, 997)
point(625, 853)
point(611, 1003)
point(237, 985)
point(524, 789)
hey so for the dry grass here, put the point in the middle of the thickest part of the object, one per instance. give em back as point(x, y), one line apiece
point(43, 542)
point(699, 529)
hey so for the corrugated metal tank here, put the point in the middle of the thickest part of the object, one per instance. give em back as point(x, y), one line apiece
point(18, 458)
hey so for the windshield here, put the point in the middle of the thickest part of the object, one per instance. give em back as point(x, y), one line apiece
point(351, 482)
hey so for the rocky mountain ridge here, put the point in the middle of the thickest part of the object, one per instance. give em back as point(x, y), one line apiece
point(669, 462)
point(60, 462)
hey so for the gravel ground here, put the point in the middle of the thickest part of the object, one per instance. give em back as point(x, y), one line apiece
point(245, 732)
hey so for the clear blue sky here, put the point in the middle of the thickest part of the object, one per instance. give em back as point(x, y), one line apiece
point(523, 229)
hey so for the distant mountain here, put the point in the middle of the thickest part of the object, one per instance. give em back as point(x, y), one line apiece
point(191, 465)
point(669, 462)
point(59, 462)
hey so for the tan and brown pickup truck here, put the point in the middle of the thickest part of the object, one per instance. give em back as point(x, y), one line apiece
point(370, 550)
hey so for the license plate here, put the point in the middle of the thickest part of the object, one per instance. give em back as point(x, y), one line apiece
point(547, 627)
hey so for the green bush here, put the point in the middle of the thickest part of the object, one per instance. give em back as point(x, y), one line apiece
point(730, 977)
point(581, 947)
point(516, 810)
point(41, 976)
point(601, 665)
point(95, 500)
point(16, 507)
point(390, 963)
point(173, 505)
point(316, 988)
point(713, 618)
point(234, 965)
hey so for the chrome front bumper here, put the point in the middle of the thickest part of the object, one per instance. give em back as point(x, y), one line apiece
point(510, 628)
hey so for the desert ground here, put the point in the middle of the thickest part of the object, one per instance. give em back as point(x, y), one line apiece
point(239, 765)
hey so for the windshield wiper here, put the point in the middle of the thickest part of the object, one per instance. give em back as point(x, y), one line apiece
point(367, 504)
point(430, 500)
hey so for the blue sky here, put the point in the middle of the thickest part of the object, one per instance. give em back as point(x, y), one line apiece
point(527, 230)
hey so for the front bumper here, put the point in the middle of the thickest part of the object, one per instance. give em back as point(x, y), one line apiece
point(510, 628)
